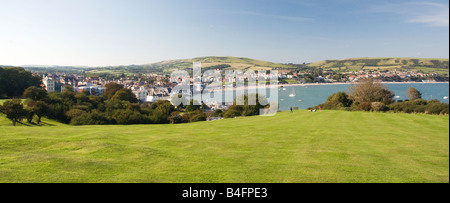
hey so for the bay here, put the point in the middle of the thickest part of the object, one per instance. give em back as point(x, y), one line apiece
point(313, 95)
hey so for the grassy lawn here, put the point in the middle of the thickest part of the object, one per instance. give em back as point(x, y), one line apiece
point(332, 146)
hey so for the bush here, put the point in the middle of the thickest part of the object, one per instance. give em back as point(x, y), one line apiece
point(364, 106)
point(128, 117)
point(176, 118)
point(197, 116)
point(93, 118)
point(73, 113)
point(379, 107)
point(420, 106)
point(218, 113)
point(233, 112)
point(437, 109)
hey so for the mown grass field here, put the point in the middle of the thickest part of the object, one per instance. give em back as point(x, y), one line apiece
point(332, 146)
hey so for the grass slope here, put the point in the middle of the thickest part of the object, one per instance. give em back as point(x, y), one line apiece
point(332, 146)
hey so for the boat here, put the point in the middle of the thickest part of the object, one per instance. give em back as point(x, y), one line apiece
point(445, 97)
point(293, 94)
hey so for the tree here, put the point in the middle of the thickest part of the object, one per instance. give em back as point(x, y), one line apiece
point(29, 115)
point(40, 109)
point(14, 110)
point(162, 110)
point(368, 91)
point(73, 113)
point(111, 89)
point(414, 94)
point(14, 81)
point(68, 93)
point(35, 94)
point(125, 95)
point(93, 118)
point(338, 101)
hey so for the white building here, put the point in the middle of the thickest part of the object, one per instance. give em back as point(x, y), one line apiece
point(49, 83)
point(141, 95)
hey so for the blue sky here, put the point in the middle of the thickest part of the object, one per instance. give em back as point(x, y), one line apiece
point(119, 32)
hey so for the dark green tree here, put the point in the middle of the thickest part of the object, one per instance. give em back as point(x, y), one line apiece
point(125, 95)
point(35, 94)
point(14, 110)
point(14, 81)
point(111, 89)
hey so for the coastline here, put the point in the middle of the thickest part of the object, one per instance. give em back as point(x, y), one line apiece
point(351, 83)
point(324, 84)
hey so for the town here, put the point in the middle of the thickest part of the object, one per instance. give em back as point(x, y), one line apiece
point(150, 88)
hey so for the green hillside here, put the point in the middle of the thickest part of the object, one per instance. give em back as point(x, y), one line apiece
point(410, 64)
point(332, 146)
point(231, 63)
point(235, 63)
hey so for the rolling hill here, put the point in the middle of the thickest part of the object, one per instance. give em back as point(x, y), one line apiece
point(440, 66)
point(223, 62)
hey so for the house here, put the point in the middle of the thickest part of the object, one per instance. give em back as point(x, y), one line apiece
point(49, 83)
point(141, 94)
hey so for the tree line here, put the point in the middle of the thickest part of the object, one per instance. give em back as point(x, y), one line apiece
point(370, 95)
point(14, 81)
point(117, 105)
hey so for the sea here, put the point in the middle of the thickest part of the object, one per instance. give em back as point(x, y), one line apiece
point(313, 95)
point(307, 96)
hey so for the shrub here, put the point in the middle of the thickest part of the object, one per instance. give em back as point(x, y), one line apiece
point(218, 113)
point(437, 108)
point(233, 111)
point(73, 113)
point(379, 107)
point(176, 118)
point(197, 116)
point(128, 117)
point(364, 106)
point(93, 118)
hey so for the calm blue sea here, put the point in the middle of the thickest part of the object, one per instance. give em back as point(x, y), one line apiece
point(309, 96)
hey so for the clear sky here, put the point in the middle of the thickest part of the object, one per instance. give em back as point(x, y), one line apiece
point(124, 32)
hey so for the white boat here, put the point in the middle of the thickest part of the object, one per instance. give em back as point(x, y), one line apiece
point(293, 94)
point(446, 98)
